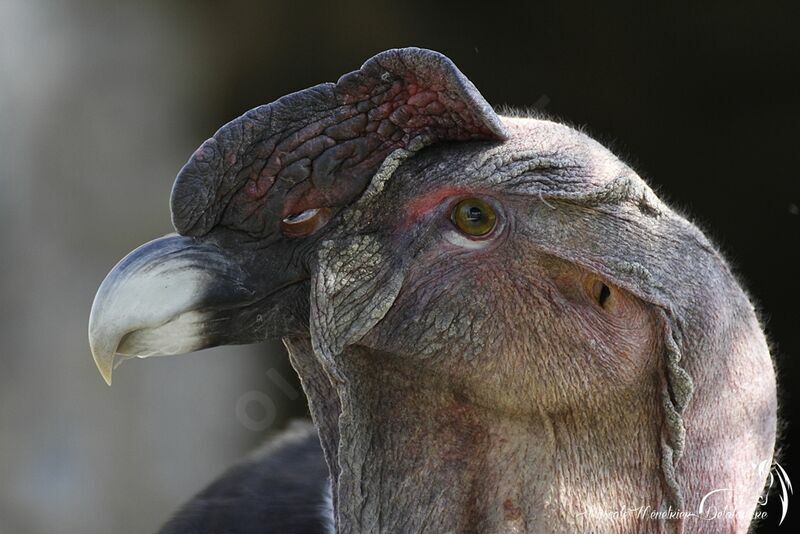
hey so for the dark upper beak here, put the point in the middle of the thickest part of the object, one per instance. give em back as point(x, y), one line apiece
point(179, 294)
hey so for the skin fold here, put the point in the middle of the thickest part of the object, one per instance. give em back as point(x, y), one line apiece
point(590, 354)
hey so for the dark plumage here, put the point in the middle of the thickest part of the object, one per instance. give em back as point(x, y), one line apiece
point(282, 487)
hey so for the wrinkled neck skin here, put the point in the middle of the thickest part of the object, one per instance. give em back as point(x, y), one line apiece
point(399, 440)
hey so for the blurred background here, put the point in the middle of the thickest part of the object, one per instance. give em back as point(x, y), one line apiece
point(101, 102)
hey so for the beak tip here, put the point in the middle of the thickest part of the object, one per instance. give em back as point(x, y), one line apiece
point(104, 360)
point(106, 366)
point(107, 378)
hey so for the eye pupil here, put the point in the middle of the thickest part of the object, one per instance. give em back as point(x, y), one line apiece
point(474, 214)
point(474, 217)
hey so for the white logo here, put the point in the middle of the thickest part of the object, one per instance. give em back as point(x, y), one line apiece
point(774, 470)
point(771, 472)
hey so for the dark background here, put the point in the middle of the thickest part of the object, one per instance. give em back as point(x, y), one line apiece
point(102, 102)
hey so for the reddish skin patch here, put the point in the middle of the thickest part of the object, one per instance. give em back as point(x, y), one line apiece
point(468, 439)
point(468, 435)
point(511, 511)
point(422, 99)
point(420, 206)
point(257, 188)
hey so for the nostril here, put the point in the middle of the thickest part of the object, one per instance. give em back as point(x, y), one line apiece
point(297, 218)
point(305, 222)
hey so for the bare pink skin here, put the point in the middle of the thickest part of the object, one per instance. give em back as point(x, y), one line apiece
point(589, 363)
point(493, 392)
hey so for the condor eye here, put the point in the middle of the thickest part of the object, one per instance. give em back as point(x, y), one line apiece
point(306, 222)
point(474, 217)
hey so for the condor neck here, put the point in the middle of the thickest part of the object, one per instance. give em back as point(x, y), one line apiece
point(409, 453)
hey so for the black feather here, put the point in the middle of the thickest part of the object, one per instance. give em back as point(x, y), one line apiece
point(280, 488)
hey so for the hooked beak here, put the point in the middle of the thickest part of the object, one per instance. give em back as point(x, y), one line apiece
point(179, 294)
